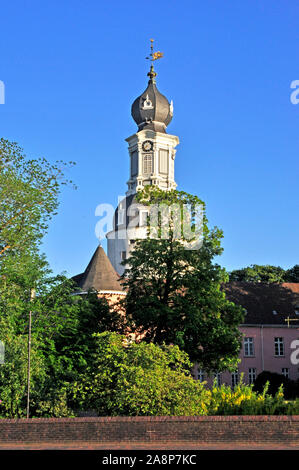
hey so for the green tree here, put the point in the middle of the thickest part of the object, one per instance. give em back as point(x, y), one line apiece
point(62, 323)
point(49, 320)
point(138, 379)
point(29, 190)
point(259, 273)
point(61, 343)
point(74, 345)
point(174, 294)
point(292, 274)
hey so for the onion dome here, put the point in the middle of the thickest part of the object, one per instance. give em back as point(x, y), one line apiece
point(151, 110)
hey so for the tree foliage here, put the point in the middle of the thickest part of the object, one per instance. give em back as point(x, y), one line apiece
point(29, 190)
point(138, 379)
point(266, 274)
point(62, 323)
point(174, 294)
point(61, 337)
point(292, 274)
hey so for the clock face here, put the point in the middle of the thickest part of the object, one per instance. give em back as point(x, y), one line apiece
point(147, 145)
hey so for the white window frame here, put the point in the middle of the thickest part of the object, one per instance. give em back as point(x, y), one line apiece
point(248, 346)
point(278, 346)
point(217, 376)
point(235, 378)
point(286, 372)
point(147, 164)
point(200, 375)
point(251, 375)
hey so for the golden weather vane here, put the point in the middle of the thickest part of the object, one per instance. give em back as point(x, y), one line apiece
point(154, 55)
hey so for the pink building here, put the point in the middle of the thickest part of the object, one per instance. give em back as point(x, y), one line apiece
point(270, 331)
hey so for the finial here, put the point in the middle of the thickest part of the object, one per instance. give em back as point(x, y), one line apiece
point(152, 57)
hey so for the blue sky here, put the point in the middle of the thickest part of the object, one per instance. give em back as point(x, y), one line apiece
point(73, 68)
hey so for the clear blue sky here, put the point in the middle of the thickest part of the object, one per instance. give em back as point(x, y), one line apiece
point(72, 69)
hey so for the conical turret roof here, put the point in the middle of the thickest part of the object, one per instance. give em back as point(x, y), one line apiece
point(99, 274)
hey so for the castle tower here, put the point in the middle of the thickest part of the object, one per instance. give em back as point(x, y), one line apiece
point(152, 155)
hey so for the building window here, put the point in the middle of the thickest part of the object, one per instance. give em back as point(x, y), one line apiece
point(200, 375)
point(248, 347)
point(123, 255)
point(235, 378)
point(286, 372)
point(279, 346)
point(147, 164)
point(217, 378)
point(251, 375)
point(134, 164)
point(163, 161)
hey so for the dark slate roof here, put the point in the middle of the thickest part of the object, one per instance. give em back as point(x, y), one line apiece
point(158, 115)
point(131, 207)
point(261, 300)
point(99, 274)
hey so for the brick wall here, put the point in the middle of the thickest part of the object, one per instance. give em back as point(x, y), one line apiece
point(199, 429)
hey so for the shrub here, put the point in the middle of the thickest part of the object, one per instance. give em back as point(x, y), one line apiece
point(138, 379)
point(243, 400)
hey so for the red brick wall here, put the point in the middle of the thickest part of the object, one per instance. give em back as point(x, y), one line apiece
point(199, 429)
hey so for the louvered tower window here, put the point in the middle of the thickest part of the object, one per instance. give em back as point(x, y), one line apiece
point(163, 161)
point(147, 164)
point(134, 164)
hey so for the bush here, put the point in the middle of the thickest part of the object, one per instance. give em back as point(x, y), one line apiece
point(138, 379)
point(130, 379)
point(243, 400)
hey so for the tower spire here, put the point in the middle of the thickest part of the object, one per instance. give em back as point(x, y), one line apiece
point(152, 57)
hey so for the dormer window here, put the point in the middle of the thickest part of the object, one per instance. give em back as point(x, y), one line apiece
point(147, 104)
